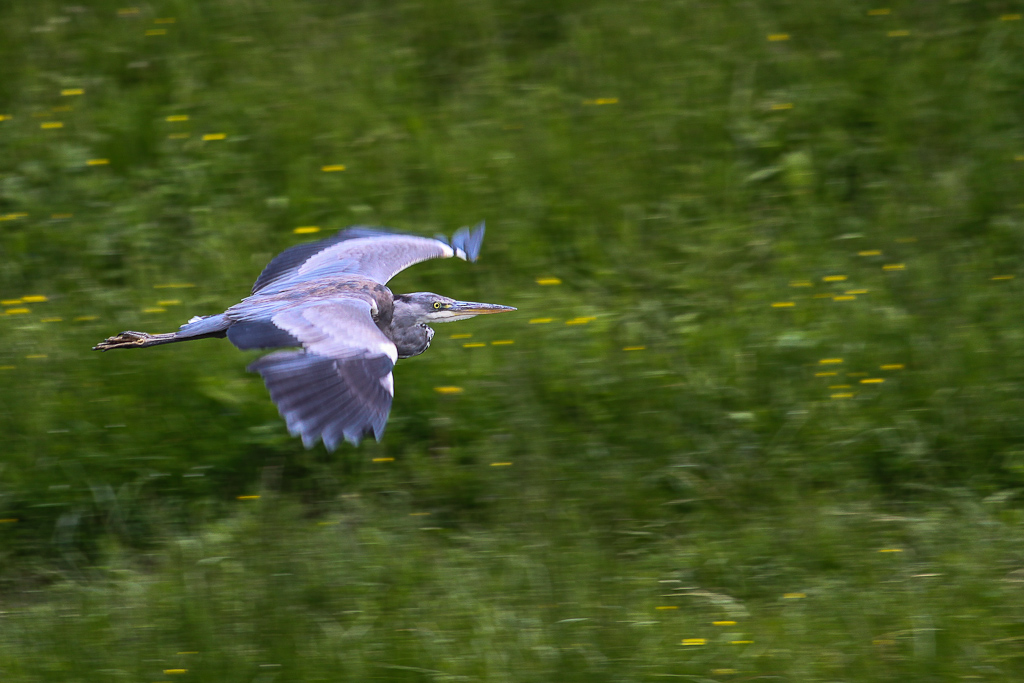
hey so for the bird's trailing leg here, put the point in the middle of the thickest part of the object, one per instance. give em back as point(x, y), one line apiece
point(135, 340)
point(199, 327)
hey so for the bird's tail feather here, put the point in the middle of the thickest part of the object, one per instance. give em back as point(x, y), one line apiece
point(197, 328)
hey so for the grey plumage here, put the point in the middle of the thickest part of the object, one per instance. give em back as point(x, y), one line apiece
point(330, 298)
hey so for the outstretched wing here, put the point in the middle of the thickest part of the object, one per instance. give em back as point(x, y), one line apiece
point(371, 252)
point(340, 385)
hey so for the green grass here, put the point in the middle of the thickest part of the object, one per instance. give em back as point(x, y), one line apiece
point(735, 210)
point(369, 592)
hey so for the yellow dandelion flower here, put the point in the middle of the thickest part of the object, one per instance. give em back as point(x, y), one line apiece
point(51, 125)
point(474, 345)
point(173, 672)
point(1010, 17)
point(782, 106)
point(548, 281)
point(841, 396)
point(872, 380)
point(830, 361)
point(833, 278)
point(461, 335)
point(169, 302)
point(794, 596)
point(601, 101)
point(667, 607)
point(870, 252)
point(154, 309)
point(247, 497)
point(332, 168)
point(723, 623)
point(894, 266)
point(741, 642)
point(689, 642)
point(634, 348)
point(383, 460)
point(306, 229)
point(16, 311)
point(776, 37)
point(175, 118)
point(783, 304)
point(540, 321)
point(1002, 277)
point(500, 464)
point(70, 92)
point(890, 550)
point(97, 162)
point(857, 291)
point(34, 299)
point(10, 302)
point(448, 390)
point(844, 297)
point(8, 520)
point(214, 136)
point(892, 366)
point(502, 342)
point(5, 117)
point(825, 374)
point(582, 320)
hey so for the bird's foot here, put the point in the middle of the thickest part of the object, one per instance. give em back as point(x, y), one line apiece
point(125, 340)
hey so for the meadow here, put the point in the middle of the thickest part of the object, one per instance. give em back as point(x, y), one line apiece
point(760, 415)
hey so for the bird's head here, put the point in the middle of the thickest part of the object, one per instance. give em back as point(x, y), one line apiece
point(426, 308)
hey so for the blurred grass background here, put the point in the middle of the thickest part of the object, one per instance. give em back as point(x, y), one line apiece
point(768, 424)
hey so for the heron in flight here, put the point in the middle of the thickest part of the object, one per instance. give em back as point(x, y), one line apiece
point(331, 298)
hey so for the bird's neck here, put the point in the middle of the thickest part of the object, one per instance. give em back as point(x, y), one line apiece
point(410, 340)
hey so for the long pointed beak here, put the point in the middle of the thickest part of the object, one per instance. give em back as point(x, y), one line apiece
point(475, 308)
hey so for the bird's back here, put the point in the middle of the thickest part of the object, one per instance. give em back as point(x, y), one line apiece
point(298, 291)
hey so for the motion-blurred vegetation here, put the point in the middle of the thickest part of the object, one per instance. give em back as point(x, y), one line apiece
point(761, 414)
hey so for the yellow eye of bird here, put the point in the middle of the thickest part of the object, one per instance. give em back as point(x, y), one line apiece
point(437, 305)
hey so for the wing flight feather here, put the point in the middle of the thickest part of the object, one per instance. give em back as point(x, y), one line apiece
point(373, 253)
point(340, 385)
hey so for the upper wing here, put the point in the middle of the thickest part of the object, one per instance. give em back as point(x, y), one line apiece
point(340, 386)
point(376, 254)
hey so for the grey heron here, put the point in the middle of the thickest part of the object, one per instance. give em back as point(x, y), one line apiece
point(331, 299)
